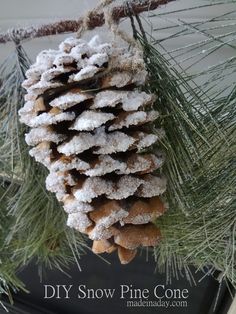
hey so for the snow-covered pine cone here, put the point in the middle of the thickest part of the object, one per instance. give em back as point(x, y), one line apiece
point(89, 125)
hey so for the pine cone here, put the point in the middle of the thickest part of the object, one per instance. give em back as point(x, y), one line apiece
point(89, 125)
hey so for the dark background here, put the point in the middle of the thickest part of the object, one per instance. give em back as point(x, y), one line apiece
point(98, 274)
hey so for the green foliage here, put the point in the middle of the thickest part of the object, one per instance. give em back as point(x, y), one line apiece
point(32, 222)
point(199, 120)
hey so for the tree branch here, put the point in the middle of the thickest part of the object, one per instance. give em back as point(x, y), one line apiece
point(69, 26)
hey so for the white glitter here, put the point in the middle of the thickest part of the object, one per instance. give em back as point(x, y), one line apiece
point(40, 134)
point(89, 120)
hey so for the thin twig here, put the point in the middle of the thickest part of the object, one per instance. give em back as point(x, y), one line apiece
point(94, 20)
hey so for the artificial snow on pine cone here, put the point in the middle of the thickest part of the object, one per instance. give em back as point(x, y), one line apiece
point(90, 126)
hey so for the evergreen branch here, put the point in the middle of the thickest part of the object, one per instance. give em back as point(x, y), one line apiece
point(93, 20)
point(192, 54)
point(32, 223)
point(201, 172)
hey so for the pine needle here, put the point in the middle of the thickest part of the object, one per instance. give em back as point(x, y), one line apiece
point(33, 223)
point(199, 226)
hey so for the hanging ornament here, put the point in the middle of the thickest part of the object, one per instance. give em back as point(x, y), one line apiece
point(90, 126)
